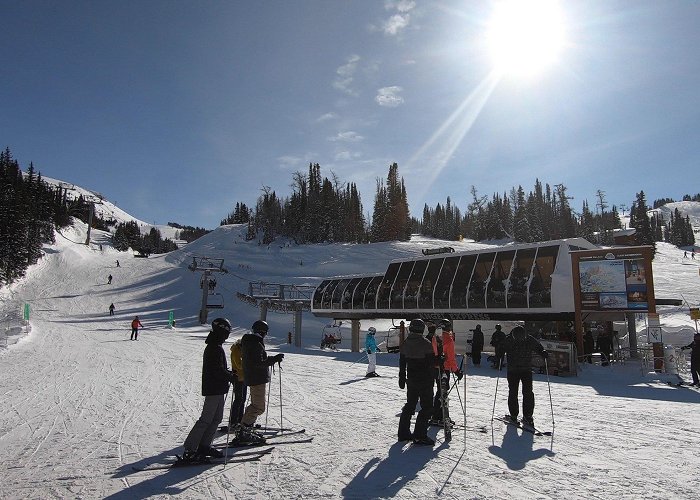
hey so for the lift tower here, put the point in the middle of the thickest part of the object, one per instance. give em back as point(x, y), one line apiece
point(210, 299)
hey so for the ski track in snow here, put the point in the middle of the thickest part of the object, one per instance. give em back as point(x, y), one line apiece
point(83, 404)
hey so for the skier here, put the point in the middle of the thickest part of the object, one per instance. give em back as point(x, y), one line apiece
point(240, 389)
point(135, 324)
point(497, 342)
point(111, 309)
point(416, 369)
point(694, 359)
point(109, 279)
point(448, 364)
point(117, 263)
point(256, 372)
point(436, 343)
point(372, 349)
point(519, 347)
point(215, 380)
point(477, 343)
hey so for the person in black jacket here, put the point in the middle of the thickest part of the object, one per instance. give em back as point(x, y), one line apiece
point(497, 342)
point(417, 370)
point(694, 359)
point(477, 343)
point(588, 345)
point(215, 381)
point(519, 347)
point(256, 371)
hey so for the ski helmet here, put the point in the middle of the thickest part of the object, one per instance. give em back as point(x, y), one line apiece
point(416, 326)
point(518, 333)
point(260, 326)
point(371, 330)
point(498, 327)
point(446, 324)
point(221, 325)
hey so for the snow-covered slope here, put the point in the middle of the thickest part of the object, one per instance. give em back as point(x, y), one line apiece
point(82, 404)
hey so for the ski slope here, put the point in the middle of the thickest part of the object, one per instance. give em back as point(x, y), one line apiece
point(82, 404)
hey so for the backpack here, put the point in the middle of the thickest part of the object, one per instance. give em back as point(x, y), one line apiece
point(237, 359)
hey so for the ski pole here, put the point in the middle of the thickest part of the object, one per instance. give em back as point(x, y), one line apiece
point(551, 406)
point(228, 429)
point(498, 377)
point(363, 357)
point(267, 407)
point(281, 423)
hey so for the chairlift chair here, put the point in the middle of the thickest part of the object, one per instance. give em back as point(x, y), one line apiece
point(332, 335)
point(215, 301)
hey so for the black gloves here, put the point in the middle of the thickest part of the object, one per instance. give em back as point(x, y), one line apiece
point(369, 351)
point(460, 374)
point(545, 354)
point(402, 381)
point(277, 358)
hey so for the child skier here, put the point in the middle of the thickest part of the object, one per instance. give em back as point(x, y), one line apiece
point(215, 380)
point(372, 349)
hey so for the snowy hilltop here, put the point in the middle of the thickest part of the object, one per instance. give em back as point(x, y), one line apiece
point(84, 406)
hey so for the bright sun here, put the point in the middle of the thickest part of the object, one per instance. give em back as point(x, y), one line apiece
point(525, 37)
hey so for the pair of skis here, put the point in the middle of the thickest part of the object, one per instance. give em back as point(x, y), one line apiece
point(276, 436)
point(251, 456)
point(521, 425)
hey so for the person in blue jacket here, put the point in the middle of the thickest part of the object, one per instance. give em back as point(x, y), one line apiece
point(372, 349)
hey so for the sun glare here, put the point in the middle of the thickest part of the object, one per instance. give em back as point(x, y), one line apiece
point(525, 37)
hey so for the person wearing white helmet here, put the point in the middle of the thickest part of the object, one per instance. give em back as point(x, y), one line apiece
point(372, 349)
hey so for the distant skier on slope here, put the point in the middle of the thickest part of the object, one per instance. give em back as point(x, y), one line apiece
point(477, 343)
point(416, 369)
point(694, 359)
point(497, 342)
point(135, 325)
point(111, 309)
point(215, 383)
point(372, 349)
point(109, 279)
point(519, 347)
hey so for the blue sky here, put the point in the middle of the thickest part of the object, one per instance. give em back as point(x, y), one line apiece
point(177, 110)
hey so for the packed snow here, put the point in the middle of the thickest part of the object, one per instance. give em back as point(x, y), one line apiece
point(82, 404)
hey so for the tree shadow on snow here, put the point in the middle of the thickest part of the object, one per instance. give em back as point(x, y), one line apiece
point(516, 450)
point(390, 475)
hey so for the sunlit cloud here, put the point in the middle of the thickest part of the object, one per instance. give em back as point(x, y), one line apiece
point(399, 21)
point(345, 75)
point(325, 117)
point(289, 161)
point(347, 155)
point(348, 136)
point(431, 158)
point(389, 97)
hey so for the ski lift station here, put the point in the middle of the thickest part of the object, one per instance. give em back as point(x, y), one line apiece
point(555, 285)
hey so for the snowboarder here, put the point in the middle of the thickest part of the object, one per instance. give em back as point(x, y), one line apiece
point(109, 279)
point(111, 309)
point(256, 372)
point(477, 343)
point(135, 325)
point(519, 347)
point(694, 359)
point(372, 349)
point(497, 342)
point(417, 370)
point(215, 380)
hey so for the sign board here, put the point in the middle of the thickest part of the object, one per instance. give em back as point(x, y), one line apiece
point(25, 315)
point(561, 359)
point(694, 313)
point(654, 329)
point(171, 319)
point(611, 282)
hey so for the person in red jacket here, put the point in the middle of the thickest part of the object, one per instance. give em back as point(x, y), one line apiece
point(135, 324)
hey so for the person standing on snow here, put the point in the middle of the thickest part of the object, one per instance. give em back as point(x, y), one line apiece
point(111, 309)
point(215, 380)
point(372, 349)
point(497, 342)
point(477, 345)
point(417, 370)
point(135, 325)
point(240, 389)
point(694, 359)
point(519, 347)
point(109, 279)
point(256, 371)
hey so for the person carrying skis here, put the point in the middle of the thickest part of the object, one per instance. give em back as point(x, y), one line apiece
point(477, 343)
point(372, 349)
point(135, 324)
point(497, 342)
point(256, 372)
point(417, 370)
point(519, 347)
point(694, 359)
point(215, 381)
point(111, 309)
